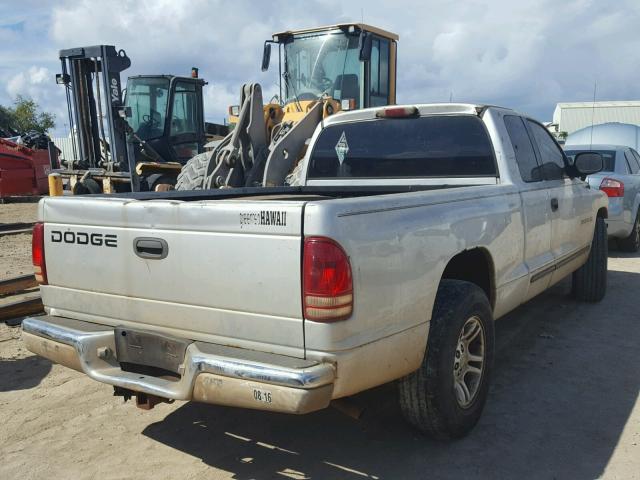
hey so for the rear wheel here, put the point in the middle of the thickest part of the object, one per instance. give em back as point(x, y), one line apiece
point(632, 242)
point(444, 398)
point(194, 173)
point(589, 282)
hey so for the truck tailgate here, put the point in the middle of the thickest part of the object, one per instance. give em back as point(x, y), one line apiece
point(231, 273)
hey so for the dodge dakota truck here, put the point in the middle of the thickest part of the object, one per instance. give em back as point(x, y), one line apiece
point(411, 230)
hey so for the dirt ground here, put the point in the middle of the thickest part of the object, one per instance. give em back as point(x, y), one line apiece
point(18, 212)
point(15, 250)
point(564, 404)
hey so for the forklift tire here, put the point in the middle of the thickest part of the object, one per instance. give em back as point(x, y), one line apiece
point(87, 187)
point(194, 172)
point(158, 182)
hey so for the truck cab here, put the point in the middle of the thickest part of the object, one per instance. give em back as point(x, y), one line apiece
point(166, 112)
point(354, 64)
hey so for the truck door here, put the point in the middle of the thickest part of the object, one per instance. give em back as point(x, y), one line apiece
point(535, 207)
point(572, 220)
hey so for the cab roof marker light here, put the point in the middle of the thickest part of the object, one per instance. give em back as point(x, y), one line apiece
point(397, 112)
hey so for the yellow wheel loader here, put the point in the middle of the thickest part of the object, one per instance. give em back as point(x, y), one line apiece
point(322, 71)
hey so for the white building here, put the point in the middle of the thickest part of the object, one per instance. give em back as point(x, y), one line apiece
point(576, 115)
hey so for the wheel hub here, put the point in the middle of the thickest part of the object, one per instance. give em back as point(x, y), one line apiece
point(468, 362)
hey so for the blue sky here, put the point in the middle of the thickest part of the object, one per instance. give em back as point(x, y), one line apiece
point(524, 54)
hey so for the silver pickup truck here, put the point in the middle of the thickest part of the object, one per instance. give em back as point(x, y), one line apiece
point(412, 229)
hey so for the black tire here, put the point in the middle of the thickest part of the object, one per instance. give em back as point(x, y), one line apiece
point(589, 282)
point(632, 242)
point(155, 180)
point(194, 172)
point(88, 187)
point(428, 397)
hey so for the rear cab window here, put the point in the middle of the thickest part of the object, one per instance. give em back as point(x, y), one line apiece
point(430, 146)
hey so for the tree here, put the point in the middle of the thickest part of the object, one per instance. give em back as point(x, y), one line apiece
point(6, 120)
point(25, 116)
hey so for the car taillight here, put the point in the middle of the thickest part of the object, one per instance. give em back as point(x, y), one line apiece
point(327, 285)
point(397, 112)
point(37, 253)
point(613, 188)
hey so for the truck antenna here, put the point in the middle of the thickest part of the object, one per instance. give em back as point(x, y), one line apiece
point(593, 110)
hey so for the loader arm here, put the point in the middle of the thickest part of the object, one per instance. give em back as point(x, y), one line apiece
point(245, 158)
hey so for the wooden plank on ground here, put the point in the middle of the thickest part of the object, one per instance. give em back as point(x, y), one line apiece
point(14, 228)
point(21, 308)
point(17, 284)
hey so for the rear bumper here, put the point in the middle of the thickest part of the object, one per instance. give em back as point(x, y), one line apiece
point(618, 228)
point(210, 373)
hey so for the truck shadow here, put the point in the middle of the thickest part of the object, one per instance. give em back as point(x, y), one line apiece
point(22, 373)
point(566, 379)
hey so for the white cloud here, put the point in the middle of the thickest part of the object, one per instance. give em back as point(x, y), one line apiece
point(528, 54)
point(30, 83)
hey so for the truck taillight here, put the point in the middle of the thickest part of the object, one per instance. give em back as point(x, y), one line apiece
point(37, 253)
point(327, 285)
point(613, 188)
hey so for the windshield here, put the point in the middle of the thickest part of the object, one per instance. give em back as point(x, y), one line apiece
point(322, 64)
point(608, 158)
point(147, 98)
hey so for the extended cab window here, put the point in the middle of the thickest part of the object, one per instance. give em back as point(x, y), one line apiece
point(551, 156)
point(431, 146)
point(525, 155)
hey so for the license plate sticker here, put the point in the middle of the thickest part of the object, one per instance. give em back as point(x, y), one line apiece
point(262, 396)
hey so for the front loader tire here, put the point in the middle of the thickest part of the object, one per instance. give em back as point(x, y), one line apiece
point(445, 397)
point(194, 173)
point(589, 282)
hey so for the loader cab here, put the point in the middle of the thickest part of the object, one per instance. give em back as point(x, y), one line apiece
point(354, 64)
point(166, 112)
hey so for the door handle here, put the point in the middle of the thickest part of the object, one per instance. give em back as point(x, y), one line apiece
point(554, 204)
point(151, 248)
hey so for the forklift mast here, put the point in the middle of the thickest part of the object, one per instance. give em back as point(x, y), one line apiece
point(93, 146)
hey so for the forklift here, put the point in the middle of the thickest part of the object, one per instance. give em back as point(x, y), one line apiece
point(136, 139)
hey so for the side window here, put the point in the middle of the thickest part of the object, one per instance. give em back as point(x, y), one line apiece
point(637, 157)
point(525, 156)
point(379, 72)
point(631, 161)
point(184, 116)
point(551, 156)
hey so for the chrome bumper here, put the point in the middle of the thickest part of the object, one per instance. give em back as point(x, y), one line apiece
point(210, 373)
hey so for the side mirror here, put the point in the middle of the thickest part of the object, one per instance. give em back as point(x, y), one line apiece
point(364, 45)
point(266, 56)
point(587, 163)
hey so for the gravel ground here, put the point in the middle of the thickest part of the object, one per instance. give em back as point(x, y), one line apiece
point(18, 212)
point(15, 255)
point(564, 404)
